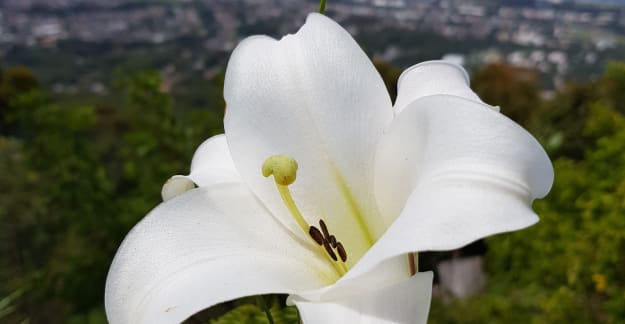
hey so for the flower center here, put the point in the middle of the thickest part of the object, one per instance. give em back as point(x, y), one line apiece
point(284, 171)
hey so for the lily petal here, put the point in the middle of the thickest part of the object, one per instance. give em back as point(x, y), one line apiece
point(432, 78)
point(461, 171)
point(212, 163)
point(204, 247)
point(404, 302)
point(316, 97)
point(387, 273)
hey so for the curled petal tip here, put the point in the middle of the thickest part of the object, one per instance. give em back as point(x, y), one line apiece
point(433, 78)
point(176, 186)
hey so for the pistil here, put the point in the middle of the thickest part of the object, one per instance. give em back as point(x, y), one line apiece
point(284, 171)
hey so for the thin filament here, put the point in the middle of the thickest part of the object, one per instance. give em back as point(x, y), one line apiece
point(287, 198)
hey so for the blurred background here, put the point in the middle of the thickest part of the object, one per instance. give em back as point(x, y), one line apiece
point(102, 100)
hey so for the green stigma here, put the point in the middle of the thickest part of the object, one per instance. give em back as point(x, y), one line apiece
point(282, 167)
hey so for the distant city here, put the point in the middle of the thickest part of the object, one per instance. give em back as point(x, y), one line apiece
point(561, 39)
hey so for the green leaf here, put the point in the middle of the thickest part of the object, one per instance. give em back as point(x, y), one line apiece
point(252, 314)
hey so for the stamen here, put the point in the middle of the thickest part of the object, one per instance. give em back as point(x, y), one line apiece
point(341, 250)
point(316, 235)
point(332, 241)
point(329, 250)
point(324, 228)
point(284, 170)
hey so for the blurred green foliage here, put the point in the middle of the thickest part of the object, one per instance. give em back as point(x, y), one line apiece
point(75, 179)
point(253, 314)
point(78, 175)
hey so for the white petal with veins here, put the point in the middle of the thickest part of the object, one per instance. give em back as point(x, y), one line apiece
point(314, 96)
point(406, 302)
point(461, 171)
point(207, 246)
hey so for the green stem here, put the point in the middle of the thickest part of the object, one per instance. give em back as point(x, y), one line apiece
point(261, 303)
point(322, 6)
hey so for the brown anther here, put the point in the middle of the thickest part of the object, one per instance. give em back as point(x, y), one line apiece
point(332, 241)
point(316, 235)
point(329, 250)
point(324, 229)
point(341, 250)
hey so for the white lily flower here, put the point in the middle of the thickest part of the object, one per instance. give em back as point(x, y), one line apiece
point(438, 170)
